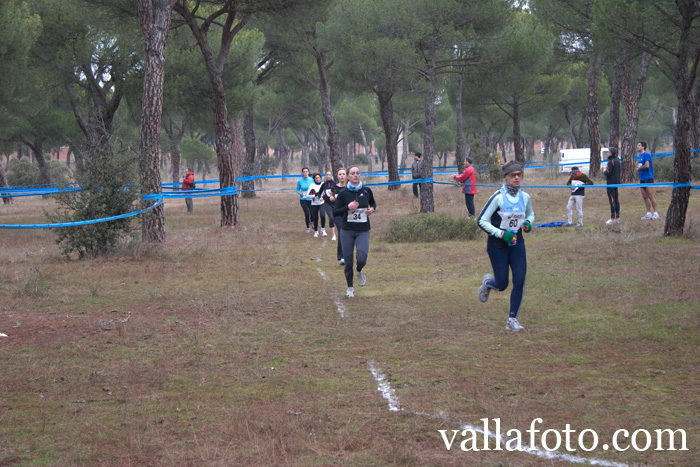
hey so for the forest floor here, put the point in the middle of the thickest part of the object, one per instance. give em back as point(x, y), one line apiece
point(237, 346)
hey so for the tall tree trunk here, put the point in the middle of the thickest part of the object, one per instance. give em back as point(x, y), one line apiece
point(3, 182)
point(237, 148)
point(594, 64)
point(368, 150)
point(404, 141)
point(684, 80)
point(331, 122)
point(631, 97)
point(231, 25)
point(249, 160)
point(387, 113)
point(517, 139)
point(615, 98)
point(284, 152)
point(427, 203)
point(460, 152)
point(175, 135)
point(154, 17)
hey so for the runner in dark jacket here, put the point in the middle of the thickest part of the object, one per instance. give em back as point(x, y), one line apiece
point(355, 203)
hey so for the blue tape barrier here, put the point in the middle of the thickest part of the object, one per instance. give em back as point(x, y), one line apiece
point(78, 223)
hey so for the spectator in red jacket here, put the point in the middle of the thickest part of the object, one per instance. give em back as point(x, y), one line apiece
point(188, 184)
point(468, 177)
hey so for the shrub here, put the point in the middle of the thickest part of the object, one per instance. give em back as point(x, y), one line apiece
point(23, 172)
point(105, 193)
point(360, 159)
point(268, 165)
point(485, 163)
point(431, 227)
point(663, 169)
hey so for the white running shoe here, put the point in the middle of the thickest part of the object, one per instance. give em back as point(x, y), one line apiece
point(341, 261)
point(333, 238)
point(610, 221)
point(513, 325)
point(647, 216)
point(655, 216)
point(350, 293)
point(580, 224)
point(361, 278)
point(323, 232)
point(308, 230)
point(483, 290)
point(315, 234)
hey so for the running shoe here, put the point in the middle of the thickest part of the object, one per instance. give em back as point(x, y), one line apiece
point(610, 221)
point(341, 261)
point(315, 234)
point(483, 290)
point(350, 293)
point(655, 216)
point(513, 325)
point(580, 224)
point(569, 224)
point(361, 278)
point(647, 216)
point(323, 232)
point(308, 230)
point(333, 238)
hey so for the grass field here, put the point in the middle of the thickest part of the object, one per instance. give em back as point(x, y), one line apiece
point(237, 346)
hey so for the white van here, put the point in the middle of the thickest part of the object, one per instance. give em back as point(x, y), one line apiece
point(580, 158)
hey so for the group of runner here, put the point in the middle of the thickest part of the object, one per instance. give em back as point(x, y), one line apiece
point(349, 205)
point(507, 214)
point(505, 217)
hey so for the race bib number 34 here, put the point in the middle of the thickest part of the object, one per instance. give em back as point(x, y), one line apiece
point(357, 215)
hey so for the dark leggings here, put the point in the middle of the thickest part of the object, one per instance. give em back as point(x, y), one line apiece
point(502, 256)
point(306, 206)
point(351, 239)
point(327, 208)
point(614, 200)
point(316, 212)
point(469, 201)
point(339, 221)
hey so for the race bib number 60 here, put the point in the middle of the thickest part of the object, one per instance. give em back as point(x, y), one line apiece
point(512, 220)
point(357, 215)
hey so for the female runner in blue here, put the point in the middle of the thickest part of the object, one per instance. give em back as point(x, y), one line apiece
point(507, 214)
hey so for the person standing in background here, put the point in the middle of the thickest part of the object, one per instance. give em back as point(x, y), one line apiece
point(646, 175)
point(416, 173)
point(576, 180)
point(187, 185)
point(468, 177)
point(612, 175)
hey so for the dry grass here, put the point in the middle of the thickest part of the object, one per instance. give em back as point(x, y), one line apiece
point(226, 346)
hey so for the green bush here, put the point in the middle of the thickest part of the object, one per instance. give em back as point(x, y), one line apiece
point(23, 172)
point(360, 159)
point(663, 169)
point(105, 193)
point(485, 163)
point(268, 165)
point(431, 227)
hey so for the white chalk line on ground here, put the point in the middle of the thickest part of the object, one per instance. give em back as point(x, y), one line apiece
point(338, 304)
point(389, 394)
